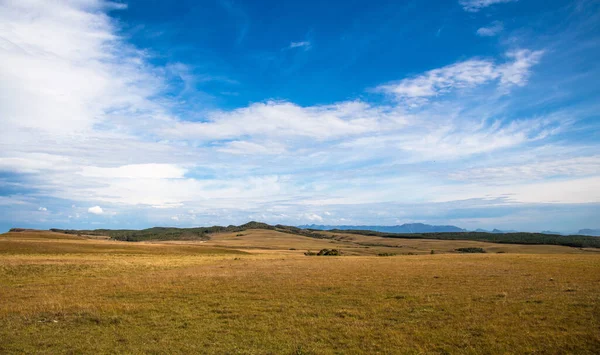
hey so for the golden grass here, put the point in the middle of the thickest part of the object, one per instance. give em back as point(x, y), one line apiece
point(42, 242)
point(173, 298)
point(268, 241)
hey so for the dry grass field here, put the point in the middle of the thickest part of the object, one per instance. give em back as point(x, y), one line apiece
point(268, 241)
point(251, 294)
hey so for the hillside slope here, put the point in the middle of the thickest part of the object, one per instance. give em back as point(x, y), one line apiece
point(206, 233)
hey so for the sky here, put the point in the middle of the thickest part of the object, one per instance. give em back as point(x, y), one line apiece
point(474, 113)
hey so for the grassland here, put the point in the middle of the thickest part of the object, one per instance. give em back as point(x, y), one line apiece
point(205, 233)
point(248, 293)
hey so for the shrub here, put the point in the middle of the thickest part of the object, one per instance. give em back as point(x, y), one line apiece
point(324, 252)
point(329, 252)
point(470, 250)
point(386, 254)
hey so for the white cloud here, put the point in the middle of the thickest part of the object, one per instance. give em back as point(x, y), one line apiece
point(578, 190)
point(303, 44)
point(464, 75)
point(136, 171)
point(72, 65)
point(448, 140)
point(33, 162)
point(517, 72)
point(168, 205)
point(171, 193)
point(276, 119)
point(476, 5)
point(314, 217)
point(95, 210)
point(253, 148)
point(492, 30)
point(43, 209)
point(532, 171)
point(175, 218)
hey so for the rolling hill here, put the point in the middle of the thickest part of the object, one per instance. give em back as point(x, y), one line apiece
point(206, 233)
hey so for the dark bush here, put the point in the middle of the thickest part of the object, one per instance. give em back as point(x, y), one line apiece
point(329, 252)
point(386, 254)
point(324, 252)
point(470, 250)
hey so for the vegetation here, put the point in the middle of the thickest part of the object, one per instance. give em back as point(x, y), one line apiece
point(67, 294)
point(172, 233)
point(323, 252)
point(578, 241)
point(156, 233)
point(203, 233)
point(470, 250)
point(329, 252)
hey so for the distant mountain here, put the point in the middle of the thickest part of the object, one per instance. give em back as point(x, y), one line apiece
point(587, 231)
point(498, 231)
point(405, 228)
point(495, 231)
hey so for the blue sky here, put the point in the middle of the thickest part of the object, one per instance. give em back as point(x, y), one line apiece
point(477, 113)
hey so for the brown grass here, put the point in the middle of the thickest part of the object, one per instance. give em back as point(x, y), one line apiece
point(94, 296)
point(268, 241)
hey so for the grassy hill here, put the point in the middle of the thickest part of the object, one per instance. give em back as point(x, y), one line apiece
point(204, 233)
point(579, 241)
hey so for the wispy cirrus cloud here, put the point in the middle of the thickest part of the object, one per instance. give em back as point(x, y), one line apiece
point(517, 72)
point(448, 139)
point(286, 119)
point(477, 5)
point(305, 45)
point(582, 166)
point(493, 29)
point(464, 75)
point(136, 171)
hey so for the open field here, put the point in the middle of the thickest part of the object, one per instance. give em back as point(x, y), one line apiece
point(269, 241)
point(251, 294)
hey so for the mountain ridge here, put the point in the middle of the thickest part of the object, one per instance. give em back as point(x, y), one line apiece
point(589, 231)
point(415, 231)
point(407, 228)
